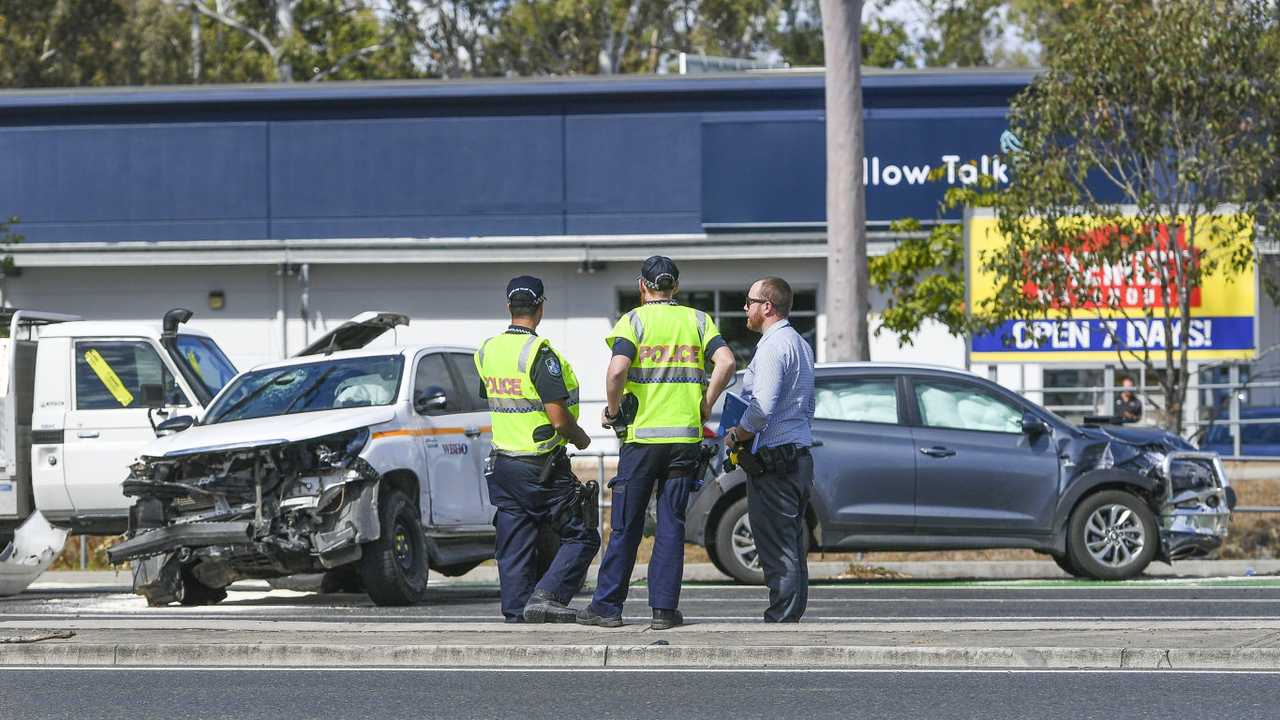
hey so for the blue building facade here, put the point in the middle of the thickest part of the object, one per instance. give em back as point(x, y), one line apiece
point(544, 158)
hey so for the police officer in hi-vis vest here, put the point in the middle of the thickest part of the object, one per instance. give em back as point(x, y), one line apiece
point(533, 405)
point(660, 351)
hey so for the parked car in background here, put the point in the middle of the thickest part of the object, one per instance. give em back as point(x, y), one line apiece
point(362, 463)
point(1256, 439)
point(912, 457)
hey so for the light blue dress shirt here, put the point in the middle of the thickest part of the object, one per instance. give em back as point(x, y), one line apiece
point(778, 388)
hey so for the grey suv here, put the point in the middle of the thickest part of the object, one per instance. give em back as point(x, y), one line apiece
point(927, 458)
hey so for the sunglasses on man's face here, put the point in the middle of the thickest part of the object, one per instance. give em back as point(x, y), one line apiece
point(752, 301)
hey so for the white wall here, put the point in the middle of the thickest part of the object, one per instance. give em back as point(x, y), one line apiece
point(458, 303)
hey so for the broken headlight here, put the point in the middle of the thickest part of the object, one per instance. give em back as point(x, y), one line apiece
point(1192, 475)
point(337, 450)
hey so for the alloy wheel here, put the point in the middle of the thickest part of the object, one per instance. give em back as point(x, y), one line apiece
point(1114, 535)
point(744, 543)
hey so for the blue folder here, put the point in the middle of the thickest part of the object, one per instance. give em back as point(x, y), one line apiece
point(731, 415)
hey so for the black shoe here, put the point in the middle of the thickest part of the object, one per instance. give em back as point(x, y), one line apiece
point(544, 608)
point(666, 619)
point(587, 616)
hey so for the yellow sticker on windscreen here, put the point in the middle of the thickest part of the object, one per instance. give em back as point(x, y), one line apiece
point(109, 378)
point(194, 362)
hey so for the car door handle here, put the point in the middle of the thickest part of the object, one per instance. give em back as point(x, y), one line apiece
point(87, 434)
point(938, 452)
point(472, 432)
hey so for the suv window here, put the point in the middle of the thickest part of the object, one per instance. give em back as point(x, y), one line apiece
point(856, 400)
point(433, 373)
point(471, 383)
point(110, 375)
point(965, 407)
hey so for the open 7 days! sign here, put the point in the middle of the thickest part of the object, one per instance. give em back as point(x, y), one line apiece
point(1223, 323)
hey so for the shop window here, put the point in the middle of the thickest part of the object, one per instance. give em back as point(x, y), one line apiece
point(1074, 392)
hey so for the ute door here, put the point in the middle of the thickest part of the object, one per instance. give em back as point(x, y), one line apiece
point(446, 433)
point(865, 469)
point(479, 428)
point(978, 472)
point(107, 424)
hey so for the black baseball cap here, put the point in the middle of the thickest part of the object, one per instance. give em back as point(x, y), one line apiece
point(658, 267)
point(525, 290)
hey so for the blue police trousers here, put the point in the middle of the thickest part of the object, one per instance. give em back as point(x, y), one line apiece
point(524, 506)
point(667, 469)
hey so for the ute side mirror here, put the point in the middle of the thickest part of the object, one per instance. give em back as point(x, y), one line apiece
point(1033, 425)
point(430, 401)
point(174, 425)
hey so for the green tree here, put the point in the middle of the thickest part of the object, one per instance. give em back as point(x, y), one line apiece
point(795, 33)
point(8, 238)
point(1150, 120)
point(59, 43)
point(963, 31)
point(922, 276)
point(319, 39)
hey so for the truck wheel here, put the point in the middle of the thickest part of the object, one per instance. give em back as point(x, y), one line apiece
point(735, 548)
point(193, 592)
point(1113, 536)
point(394, 567)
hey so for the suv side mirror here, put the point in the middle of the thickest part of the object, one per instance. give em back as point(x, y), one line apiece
point(1033, 425)
point(430, 401)
point(153, 396)
point(174, 425)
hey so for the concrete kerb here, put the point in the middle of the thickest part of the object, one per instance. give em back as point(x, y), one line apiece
point(635, 656)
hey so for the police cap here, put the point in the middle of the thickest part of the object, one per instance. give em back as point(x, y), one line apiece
point(659, 273)
point(525, 290)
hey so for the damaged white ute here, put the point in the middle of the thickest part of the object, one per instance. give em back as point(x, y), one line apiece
point(364, 464)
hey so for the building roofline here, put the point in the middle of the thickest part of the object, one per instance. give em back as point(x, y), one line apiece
point(874, 80)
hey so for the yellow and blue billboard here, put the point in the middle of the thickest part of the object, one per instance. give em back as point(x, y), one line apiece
point(1223, 322)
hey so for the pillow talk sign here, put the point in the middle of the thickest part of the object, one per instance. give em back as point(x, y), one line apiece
point(1108, 307)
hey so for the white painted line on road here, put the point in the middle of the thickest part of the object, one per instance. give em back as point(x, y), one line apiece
point(680, 671)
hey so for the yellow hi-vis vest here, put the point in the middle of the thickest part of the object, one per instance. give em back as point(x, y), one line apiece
point(520, 422)
point(667, 373)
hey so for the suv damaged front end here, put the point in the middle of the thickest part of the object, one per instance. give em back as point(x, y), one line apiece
point(1189, 490)
point(206, 517)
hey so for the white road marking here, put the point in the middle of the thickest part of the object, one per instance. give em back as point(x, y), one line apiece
point(680, 671)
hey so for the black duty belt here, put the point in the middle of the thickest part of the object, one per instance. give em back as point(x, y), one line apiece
point(535, 460)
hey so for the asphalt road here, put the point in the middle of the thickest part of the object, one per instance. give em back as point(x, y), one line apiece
point(1251, 598)
point(137, 694)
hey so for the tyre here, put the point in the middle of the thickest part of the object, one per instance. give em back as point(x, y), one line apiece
point(1064, 562)
point(735, 548)
point(394, 567)
point(193, 592)
point(1113, 536)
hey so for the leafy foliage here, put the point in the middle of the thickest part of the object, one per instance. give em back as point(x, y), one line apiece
point(922, 277)
point(1150, 117)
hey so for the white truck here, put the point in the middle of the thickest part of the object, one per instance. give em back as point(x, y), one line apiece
point(363, 464)
point(78, 400)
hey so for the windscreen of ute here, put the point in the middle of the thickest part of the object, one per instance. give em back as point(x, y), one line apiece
point(326, 385)
point(205, 358)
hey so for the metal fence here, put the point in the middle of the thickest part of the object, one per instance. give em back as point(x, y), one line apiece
point(1225, 406)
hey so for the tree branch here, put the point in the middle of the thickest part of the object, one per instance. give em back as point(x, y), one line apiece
point(342, 62)
point(219, 16)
